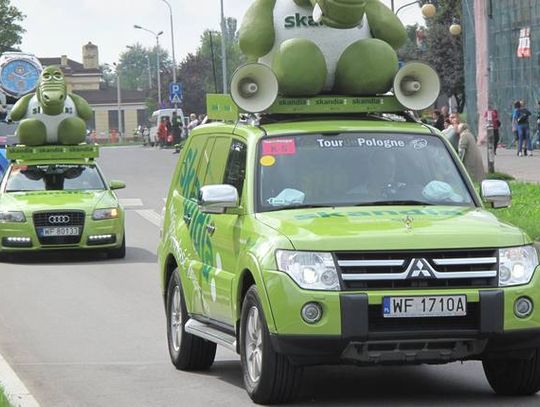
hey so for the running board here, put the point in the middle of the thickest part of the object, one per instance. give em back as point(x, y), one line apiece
point(205, 331)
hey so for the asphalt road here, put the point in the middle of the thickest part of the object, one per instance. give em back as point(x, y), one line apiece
point(86, 331)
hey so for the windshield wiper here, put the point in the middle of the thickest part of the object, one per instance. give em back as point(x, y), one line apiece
point(300, 206)
point(395, 203)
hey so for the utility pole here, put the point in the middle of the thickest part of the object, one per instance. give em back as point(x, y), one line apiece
point(223, 49)
point(119, 102)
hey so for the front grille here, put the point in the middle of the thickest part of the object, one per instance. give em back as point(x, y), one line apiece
point(47, 219)
point(417, 270)
point(378, 324)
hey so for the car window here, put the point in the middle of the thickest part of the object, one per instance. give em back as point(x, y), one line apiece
point(358, 169)
point(218, 159)
point(54, 177)
point(235, 171)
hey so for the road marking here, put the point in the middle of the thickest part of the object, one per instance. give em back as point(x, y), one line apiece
point(131, 203)
point(151, 216)
point(14, 389)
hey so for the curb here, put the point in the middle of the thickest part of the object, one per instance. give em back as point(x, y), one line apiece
point(14, 389)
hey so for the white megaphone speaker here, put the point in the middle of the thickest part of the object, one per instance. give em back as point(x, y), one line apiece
point(254, 87)
point(417, 86)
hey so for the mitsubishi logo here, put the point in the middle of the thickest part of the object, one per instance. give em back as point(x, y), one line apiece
point(420, 269)
point(59, 219)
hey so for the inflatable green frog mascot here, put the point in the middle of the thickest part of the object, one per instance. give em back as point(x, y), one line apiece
point(51, 115)
point(324, 46)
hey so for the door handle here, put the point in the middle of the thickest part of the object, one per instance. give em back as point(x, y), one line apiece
point(211, 229)
point(187, 219)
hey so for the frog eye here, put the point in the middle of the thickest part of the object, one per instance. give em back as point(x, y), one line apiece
point(47, 76)
point(58, 76)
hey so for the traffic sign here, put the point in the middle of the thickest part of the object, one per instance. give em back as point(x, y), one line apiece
point(176, 92)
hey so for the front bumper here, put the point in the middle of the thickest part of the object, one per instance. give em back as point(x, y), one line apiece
point(352, 328)
point(22, 237)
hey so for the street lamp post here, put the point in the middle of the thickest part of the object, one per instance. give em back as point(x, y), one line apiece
point(172, 39)
point(428, 9)
point(157, 58)
point(223, 50)
point(119, 101)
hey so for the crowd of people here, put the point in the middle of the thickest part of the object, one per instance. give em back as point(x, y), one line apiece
point(172, 131)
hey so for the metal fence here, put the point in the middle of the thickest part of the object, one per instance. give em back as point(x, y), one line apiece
point(510, 78)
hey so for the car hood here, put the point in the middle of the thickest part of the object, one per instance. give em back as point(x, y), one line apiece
point(29, 202)
point(393, 228)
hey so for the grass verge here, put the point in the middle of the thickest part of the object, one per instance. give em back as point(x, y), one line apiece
point(4, 402)
point(525, 209)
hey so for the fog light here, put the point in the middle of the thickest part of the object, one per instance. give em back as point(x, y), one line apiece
point(523, 307)
point(101, 239)
point(17, 241)
point(311, 312)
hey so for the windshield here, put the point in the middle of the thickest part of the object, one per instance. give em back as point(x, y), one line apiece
point(355, 169)
point(54, 177)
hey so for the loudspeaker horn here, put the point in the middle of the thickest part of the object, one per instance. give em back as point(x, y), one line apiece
point(417, 86)
point(254, 87)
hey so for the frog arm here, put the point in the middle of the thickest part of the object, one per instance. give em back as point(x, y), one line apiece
point(257, 33)
point(385, 25)
point(83, 108)
point(19, 110)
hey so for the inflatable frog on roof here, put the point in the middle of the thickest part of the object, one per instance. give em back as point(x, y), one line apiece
point(51, 115)
point(324, 46)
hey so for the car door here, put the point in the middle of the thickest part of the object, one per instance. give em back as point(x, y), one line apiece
point(186, 220)
point(228, 167)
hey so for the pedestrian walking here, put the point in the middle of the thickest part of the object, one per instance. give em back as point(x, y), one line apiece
point(521, 119)
point(163, 132)
point(451, 132)
point(438, 120)
point(470, 153)
point(176, 128)
point(193, 122)
point(492, 117)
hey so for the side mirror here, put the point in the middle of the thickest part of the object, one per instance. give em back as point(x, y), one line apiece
point(497, 193)
point(117, 185)
point(217, 198)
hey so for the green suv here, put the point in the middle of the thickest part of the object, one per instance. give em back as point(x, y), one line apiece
point(316, 239)
point(55, 197)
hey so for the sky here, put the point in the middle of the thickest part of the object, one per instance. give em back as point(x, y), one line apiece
point(57, 27)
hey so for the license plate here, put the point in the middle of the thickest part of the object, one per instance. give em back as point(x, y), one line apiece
point(59, 231)
point(419, 307)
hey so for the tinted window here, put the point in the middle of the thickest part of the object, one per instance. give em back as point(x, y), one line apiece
point(54, 177)
point(235, 172)
point(358, 169)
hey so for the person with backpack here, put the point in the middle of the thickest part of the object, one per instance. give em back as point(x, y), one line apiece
point(521, 120)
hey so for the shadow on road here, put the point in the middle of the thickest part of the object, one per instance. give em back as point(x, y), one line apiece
point(133, 255)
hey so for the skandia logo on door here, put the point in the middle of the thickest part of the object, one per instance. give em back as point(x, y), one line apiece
point(300, 21)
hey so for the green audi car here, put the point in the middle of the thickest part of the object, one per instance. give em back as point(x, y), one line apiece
point(56, 197)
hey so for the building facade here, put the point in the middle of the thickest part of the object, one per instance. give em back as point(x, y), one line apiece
point(85, 80)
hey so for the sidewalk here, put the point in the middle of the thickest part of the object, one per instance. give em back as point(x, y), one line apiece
point(521, 168)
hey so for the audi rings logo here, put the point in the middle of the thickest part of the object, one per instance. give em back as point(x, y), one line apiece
point(59, 219)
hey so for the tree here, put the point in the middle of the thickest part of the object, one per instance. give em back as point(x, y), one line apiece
point(10, 29)
point(445, 51)
point(134, 65)
point(413, 50)
point(195, 71)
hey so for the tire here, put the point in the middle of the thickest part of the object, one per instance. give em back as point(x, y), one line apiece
point(187, 351)
point(514, 377)
point(120, 252)
point(269, 377)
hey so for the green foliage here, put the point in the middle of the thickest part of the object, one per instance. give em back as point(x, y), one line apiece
point(500, 175)
point(135, 63)
point(201, 72)
point(444, 51)
point(411, 51)
point(10, 29)
point(525, 208)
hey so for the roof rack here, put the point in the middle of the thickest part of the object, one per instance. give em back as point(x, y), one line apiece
point(222, 107)
point(27, 153)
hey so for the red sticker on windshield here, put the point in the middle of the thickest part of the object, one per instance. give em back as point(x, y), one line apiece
point(279, 146)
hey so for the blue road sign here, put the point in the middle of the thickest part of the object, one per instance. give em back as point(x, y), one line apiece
point(176, 92)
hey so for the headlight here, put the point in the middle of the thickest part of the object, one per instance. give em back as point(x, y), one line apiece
point(102, 214)
point(12, 217)
point(310, 270)
point(517, 265)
